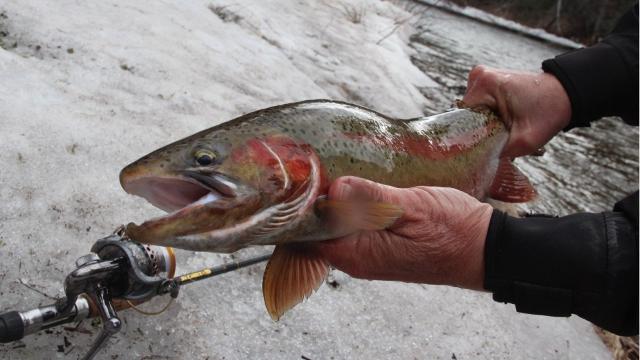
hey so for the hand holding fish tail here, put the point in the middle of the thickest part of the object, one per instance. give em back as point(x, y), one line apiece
point(439, 239)
point(533, 106)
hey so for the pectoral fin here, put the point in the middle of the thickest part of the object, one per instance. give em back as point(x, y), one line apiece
point(292, 274)
point(359, 215)
point(510, 184)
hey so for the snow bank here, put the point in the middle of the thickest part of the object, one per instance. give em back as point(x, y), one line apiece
point(86, 87)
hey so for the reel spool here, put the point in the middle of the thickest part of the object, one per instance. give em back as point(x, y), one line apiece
point(163, 260)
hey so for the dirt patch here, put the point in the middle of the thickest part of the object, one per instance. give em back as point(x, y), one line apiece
point(126, 67)
point(6, 42)
point(622, 347)
point(12, 39)
point(225, 14)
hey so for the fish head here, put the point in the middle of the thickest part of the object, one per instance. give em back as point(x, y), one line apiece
point(214, 180)
point(179, 174)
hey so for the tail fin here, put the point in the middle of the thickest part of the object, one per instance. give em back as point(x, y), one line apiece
point(510, 184)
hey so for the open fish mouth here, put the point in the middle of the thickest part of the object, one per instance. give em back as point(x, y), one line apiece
point(174, 193)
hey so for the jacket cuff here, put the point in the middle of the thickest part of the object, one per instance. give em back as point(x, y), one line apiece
point(583, 264)
point(514, 270)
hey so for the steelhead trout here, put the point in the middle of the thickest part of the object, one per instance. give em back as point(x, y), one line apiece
point(262, 179)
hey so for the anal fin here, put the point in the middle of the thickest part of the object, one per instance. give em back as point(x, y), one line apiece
point(510, 184)
point(292, 275)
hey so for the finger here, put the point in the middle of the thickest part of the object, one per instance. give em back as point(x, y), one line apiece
point(488, 87)
point(479, 88)
point(476, 72)
point(342, 253)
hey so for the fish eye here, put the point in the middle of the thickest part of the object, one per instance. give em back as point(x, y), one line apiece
point(205, 157)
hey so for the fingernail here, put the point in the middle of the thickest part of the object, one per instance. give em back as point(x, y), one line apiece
point(344, 191)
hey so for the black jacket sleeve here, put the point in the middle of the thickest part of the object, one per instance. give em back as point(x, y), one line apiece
point(584, 264)
point(602, 80)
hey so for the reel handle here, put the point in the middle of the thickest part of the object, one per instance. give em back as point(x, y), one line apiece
point(111, 324)
point(11, 327)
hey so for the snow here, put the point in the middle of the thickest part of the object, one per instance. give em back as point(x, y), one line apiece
point(91, 86)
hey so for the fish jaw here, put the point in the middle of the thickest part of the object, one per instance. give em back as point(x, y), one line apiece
point(196, 199)
point(172, 190)
point(208, 214)
point(167, 193)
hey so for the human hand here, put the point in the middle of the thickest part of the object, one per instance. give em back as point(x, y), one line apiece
point(533, 106)
point(438, 240)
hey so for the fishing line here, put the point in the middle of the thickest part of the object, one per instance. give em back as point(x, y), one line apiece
point(151, 313)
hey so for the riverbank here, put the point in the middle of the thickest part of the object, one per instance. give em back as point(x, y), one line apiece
point(500, 22)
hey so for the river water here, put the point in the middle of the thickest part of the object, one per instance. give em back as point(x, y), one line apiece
point(586, 169)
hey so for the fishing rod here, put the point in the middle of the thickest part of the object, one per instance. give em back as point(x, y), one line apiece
point(117, 274)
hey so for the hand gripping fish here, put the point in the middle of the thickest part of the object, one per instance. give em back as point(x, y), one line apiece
point(262, 179)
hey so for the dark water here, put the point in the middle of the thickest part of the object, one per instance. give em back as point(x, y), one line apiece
point(585, 169)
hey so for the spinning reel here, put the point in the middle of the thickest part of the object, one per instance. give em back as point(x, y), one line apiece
point(116, 275)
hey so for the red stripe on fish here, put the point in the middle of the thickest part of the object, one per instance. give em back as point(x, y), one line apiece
point(422, 146)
